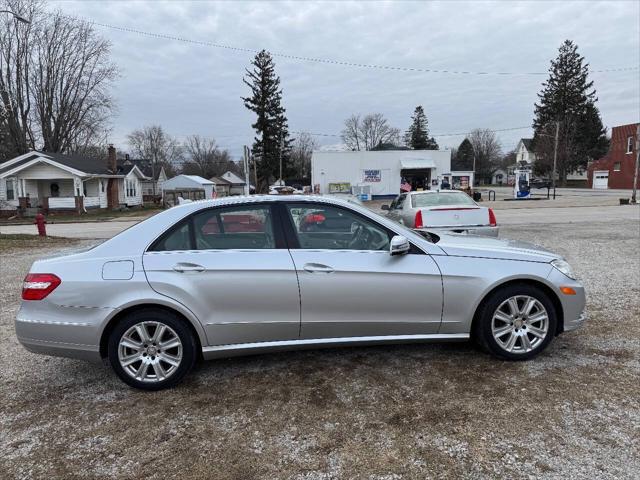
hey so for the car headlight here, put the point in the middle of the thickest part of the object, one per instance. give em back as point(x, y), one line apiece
point(564, 267)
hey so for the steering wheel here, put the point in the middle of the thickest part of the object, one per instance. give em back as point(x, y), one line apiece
point(382, 243)
point(355, 236)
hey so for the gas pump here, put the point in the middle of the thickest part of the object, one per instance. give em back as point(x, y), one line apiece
point(521, 186)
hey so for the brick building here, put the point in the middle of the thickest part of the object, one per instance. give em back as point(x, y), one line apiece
point(615, 169)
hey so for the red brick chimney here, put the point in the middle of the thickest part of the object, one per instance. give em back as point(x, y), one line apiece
point(112, 165)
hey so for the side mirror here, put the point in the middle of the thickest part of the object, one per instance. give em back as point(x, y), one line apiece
point(385, 207)
point(399, 245)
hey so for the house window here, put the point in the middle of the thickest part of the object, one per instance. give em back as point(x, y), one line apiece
point(10, 193)
point(131, 188)
point(630, 145)
point(54, 189)
point(102, 186)
point(616, 167)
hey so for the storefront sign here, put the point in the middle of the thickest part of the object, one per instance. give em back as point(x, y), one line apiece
point(372, 176)
point(340, 187)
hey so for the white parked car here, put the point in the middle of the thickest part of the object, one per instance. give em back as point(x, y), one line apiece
point(283, 190)
point(444, 210)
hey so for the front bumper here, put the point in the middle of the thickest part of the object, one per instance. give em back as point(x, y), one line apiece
point(471, 230)
point(573, 324)
point(573, 306)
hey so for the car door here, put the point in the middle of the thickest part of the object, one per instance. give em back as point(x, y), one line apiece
point(350, 286)
point(231, 267)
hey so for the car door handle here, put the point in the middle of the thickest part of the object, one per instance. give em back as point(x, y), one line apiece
point(317, 268)
point(188, 267)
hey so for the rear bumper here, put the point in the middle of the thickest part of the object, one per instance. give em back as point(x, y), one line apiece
point(74, 332)
point(70, 350)
point(484, 231)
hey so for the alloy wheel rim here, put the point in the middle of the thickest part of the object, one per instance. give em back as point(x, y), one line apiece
point(150, 351)
point(520, 324)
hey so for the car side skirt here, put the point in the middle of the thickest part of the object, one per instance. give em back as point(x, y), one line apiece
point(241, 349)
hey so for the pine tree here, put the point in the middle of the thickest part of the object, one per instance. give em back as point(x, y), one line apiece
point(271, 125)
point(463, 159)
point(417, 136)
point(568, 98)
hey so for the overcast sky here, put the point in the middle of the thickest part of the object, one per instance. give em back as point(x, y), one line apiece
point(189, 88)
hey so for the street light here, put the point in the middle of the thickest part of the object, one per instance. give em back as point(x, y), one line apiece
point(16, 16)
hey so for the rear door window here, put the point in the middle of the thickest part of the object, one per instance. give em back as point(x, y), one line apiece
point(242, 227)
point(234, 228)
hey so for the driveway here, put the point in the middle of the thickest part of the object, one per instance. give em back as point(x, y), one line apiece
point(388, 412)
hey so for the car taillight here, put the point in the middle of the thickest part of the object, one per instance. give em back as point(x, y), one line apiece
point(492, 218)
point(418, 222)
point(37, 286)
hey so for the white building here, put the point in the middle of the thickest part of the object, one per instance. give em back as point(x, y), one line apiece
point(524, 152)
point(187, 187)
point(383, 171)
point(54, 182)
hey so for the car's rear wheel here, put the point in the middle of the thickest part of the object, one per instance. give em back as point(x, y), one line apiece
point(151, 349)
point(517, 322)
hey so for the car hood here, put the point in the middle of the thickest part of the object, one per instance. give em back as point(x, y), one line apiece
point(462, 245)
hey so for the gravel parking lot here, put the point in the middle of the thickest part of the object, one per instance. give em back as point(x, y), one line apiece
point(419, 411)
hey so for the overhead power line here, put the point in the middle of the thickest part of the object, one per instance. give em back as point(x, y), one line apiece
point(315, 134)
point(327, 60)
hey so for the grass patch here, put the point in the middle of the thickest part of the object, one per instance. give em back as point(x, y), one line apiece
point(21, 241)
point(98, 215)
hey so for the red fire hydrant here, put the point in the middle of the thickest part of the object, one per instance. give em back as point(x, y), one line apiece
point(40, 222)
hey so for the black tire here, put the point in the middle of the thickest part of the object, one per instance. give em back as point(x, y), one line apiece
point(483, 327)
point(164, 317)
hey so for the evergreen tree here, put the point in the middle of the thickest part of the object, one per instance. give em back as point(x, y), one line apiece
point(568, 98)
point(271, 125)
point(463, 159)
point(417, 136)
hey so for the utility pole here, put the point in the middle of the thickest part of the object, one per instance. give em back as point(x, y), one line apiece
point(245, 159)
point(255, 172)
point(281, 147)
point(555, 160)
point(473, 182)
point(635, 170)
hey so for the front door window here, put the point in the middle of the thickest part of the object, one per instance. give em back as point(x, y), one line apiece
point(331, 228)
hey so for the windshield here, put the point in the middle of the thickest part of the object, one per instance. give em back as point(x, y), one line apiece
point(440, 198)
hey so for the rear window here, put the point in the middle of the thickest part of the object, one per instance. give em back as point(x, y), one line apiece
point(227, 228)
point(436, 199)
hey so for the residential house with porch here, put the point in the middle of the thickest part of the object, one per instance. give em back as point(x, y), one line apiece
point(52, 182)
point(155, 177)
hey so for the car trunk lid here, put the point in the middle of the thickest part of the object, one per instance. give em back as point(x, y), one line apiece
point(454, 215)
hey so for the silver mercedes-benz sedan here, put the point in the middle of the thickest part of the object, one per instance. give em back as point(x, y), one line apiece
point(242, 275)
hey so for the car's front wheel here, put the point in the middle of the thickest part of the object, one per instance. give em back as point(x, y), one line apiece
point(517, 322)
point(151, 349)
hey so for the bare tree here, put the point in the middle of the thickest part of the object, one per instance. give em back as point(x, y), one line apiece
point(16, 56)
point(153, 144)
point(55, 75)
point(351, 133)
point(202, 152)
point(369, 132)
point(487, 152)
point(301, 152)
